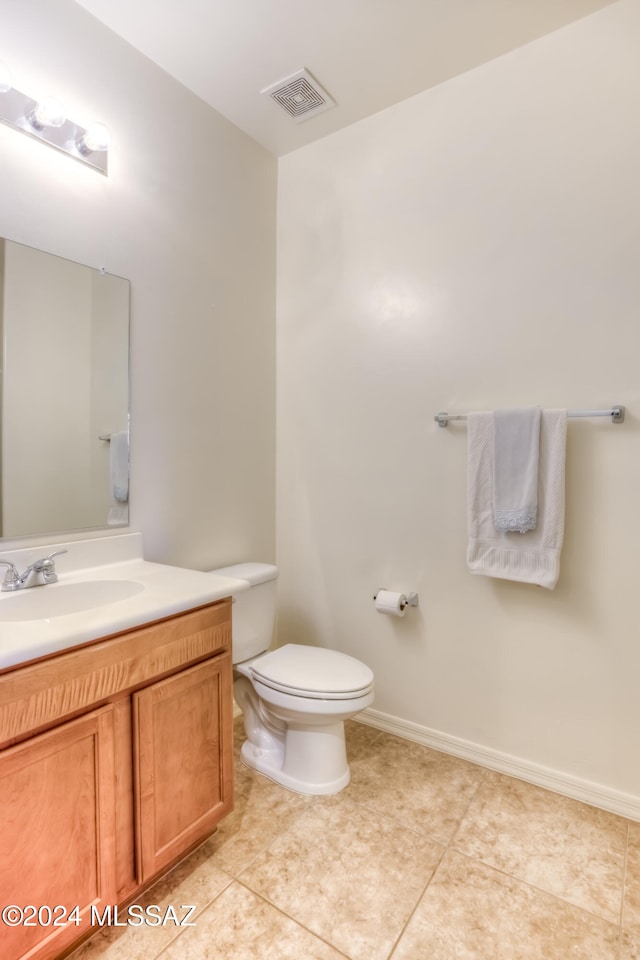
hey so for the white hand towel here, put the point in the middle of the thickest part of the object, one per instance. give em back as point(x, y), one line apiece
point(118, 515)
point(119, 466)
point(534, 558)
point(119, 479)
point(515, 469)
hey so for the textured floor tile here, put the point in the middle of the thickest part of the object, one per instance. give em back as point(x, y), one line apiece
point(241, 926)
point(435, 788)
point(631, 904)
point(361, 740)
point(196, 880)
point(629, 946)
point(472, 912)
point(555, 843)
point(347, 874)
point(262, 810)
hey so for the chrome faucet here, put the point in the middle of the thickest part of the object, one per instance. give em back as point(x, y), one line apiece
point(45, 568)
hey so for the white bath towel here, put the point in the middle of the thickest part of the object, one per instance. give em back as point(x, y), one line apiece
point(515, 469)
point(535, 556)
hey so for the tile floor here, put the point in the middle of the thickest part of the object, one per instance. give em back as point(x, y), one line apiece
point(422, 857)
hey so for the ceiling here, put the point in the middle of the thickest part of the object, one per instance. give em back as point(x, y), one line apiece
point(367, 54)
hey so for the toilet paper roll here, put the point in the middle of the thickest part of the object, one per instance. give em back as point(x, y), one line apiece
point(395, 604)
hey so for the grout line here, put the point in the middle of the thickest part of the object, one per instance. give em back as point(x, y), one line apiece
point(293, 919)
point(417, 904)
point(532, 886)
point(129, 934)
point(455, 833)
point(445, 849)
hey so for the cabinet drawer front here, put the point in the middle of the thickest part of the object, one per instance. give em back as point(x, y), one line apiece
point(57, 844)
point(182, 744)
point(36, 696)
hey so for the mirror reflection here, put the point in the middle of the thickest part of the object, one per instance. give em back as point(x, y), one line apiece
point(65, 395)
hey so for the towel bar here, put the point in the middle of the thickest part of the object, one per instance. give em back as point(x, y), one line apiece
point(616, 413)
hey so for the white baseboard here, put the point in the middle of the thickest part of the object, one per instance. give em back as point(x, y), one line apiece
point(624, 804)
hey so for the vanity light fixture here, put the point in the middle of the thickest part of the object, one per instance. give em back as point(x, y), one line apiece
point(45, 120)
point(47, 113)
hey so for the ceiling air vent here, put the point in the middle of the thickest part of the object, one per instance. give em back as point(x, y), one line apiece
point(300, 95)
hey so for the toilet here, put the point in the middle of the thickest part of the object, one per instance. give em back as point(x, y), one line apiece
point(294, 698)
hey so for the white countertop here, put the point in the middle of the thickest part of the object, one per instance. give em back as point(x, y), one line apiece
point(162, 591)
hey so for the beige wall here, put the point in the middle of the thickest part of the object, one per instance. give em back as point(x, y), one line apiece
point(473, 247)
point(188, 215)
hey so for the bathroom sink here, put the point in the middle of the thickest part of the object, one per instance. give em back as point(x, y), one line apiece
point(63, 599)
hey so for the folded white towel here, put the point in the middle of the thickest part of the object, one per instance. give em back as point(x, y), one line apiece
point(534, 558)
point(515, 469)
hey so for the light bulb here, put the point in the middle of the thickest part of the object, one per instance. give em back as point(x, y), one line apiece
point(96, 138)
point(5, 78)
point(48, 113)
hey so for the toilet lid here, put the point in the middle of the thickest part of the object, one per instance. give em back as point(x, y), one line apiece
point(313, 671)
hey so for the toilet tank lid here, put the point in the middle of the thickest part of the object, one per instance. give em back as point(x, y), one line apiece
point(252, 572)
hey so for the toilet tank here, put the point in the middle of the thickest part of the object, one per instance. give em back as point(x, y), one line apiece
point(254, 610)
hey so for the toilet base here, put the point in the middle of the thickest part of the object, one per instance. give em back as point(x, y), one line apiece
point(295, 741)
point(311, 761)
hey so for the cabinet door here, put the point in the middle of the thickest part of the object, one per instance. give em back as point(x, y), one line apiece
point(57, 837)
point(183, 766)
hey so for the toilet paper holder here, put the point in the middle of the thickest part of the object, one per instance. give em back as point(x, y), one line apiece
point(412, 598)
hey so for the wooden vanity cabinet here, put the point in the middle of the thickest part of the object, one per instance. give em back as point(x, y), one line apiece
point(57, 802)
point(116, 758)
point(179, 767)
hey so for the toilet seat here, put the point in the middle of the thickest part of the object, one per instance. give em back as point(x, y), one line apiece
point(313, 672)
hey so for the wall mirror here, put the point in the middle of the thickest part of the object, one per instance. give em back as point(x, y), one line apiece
point(64, 444)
